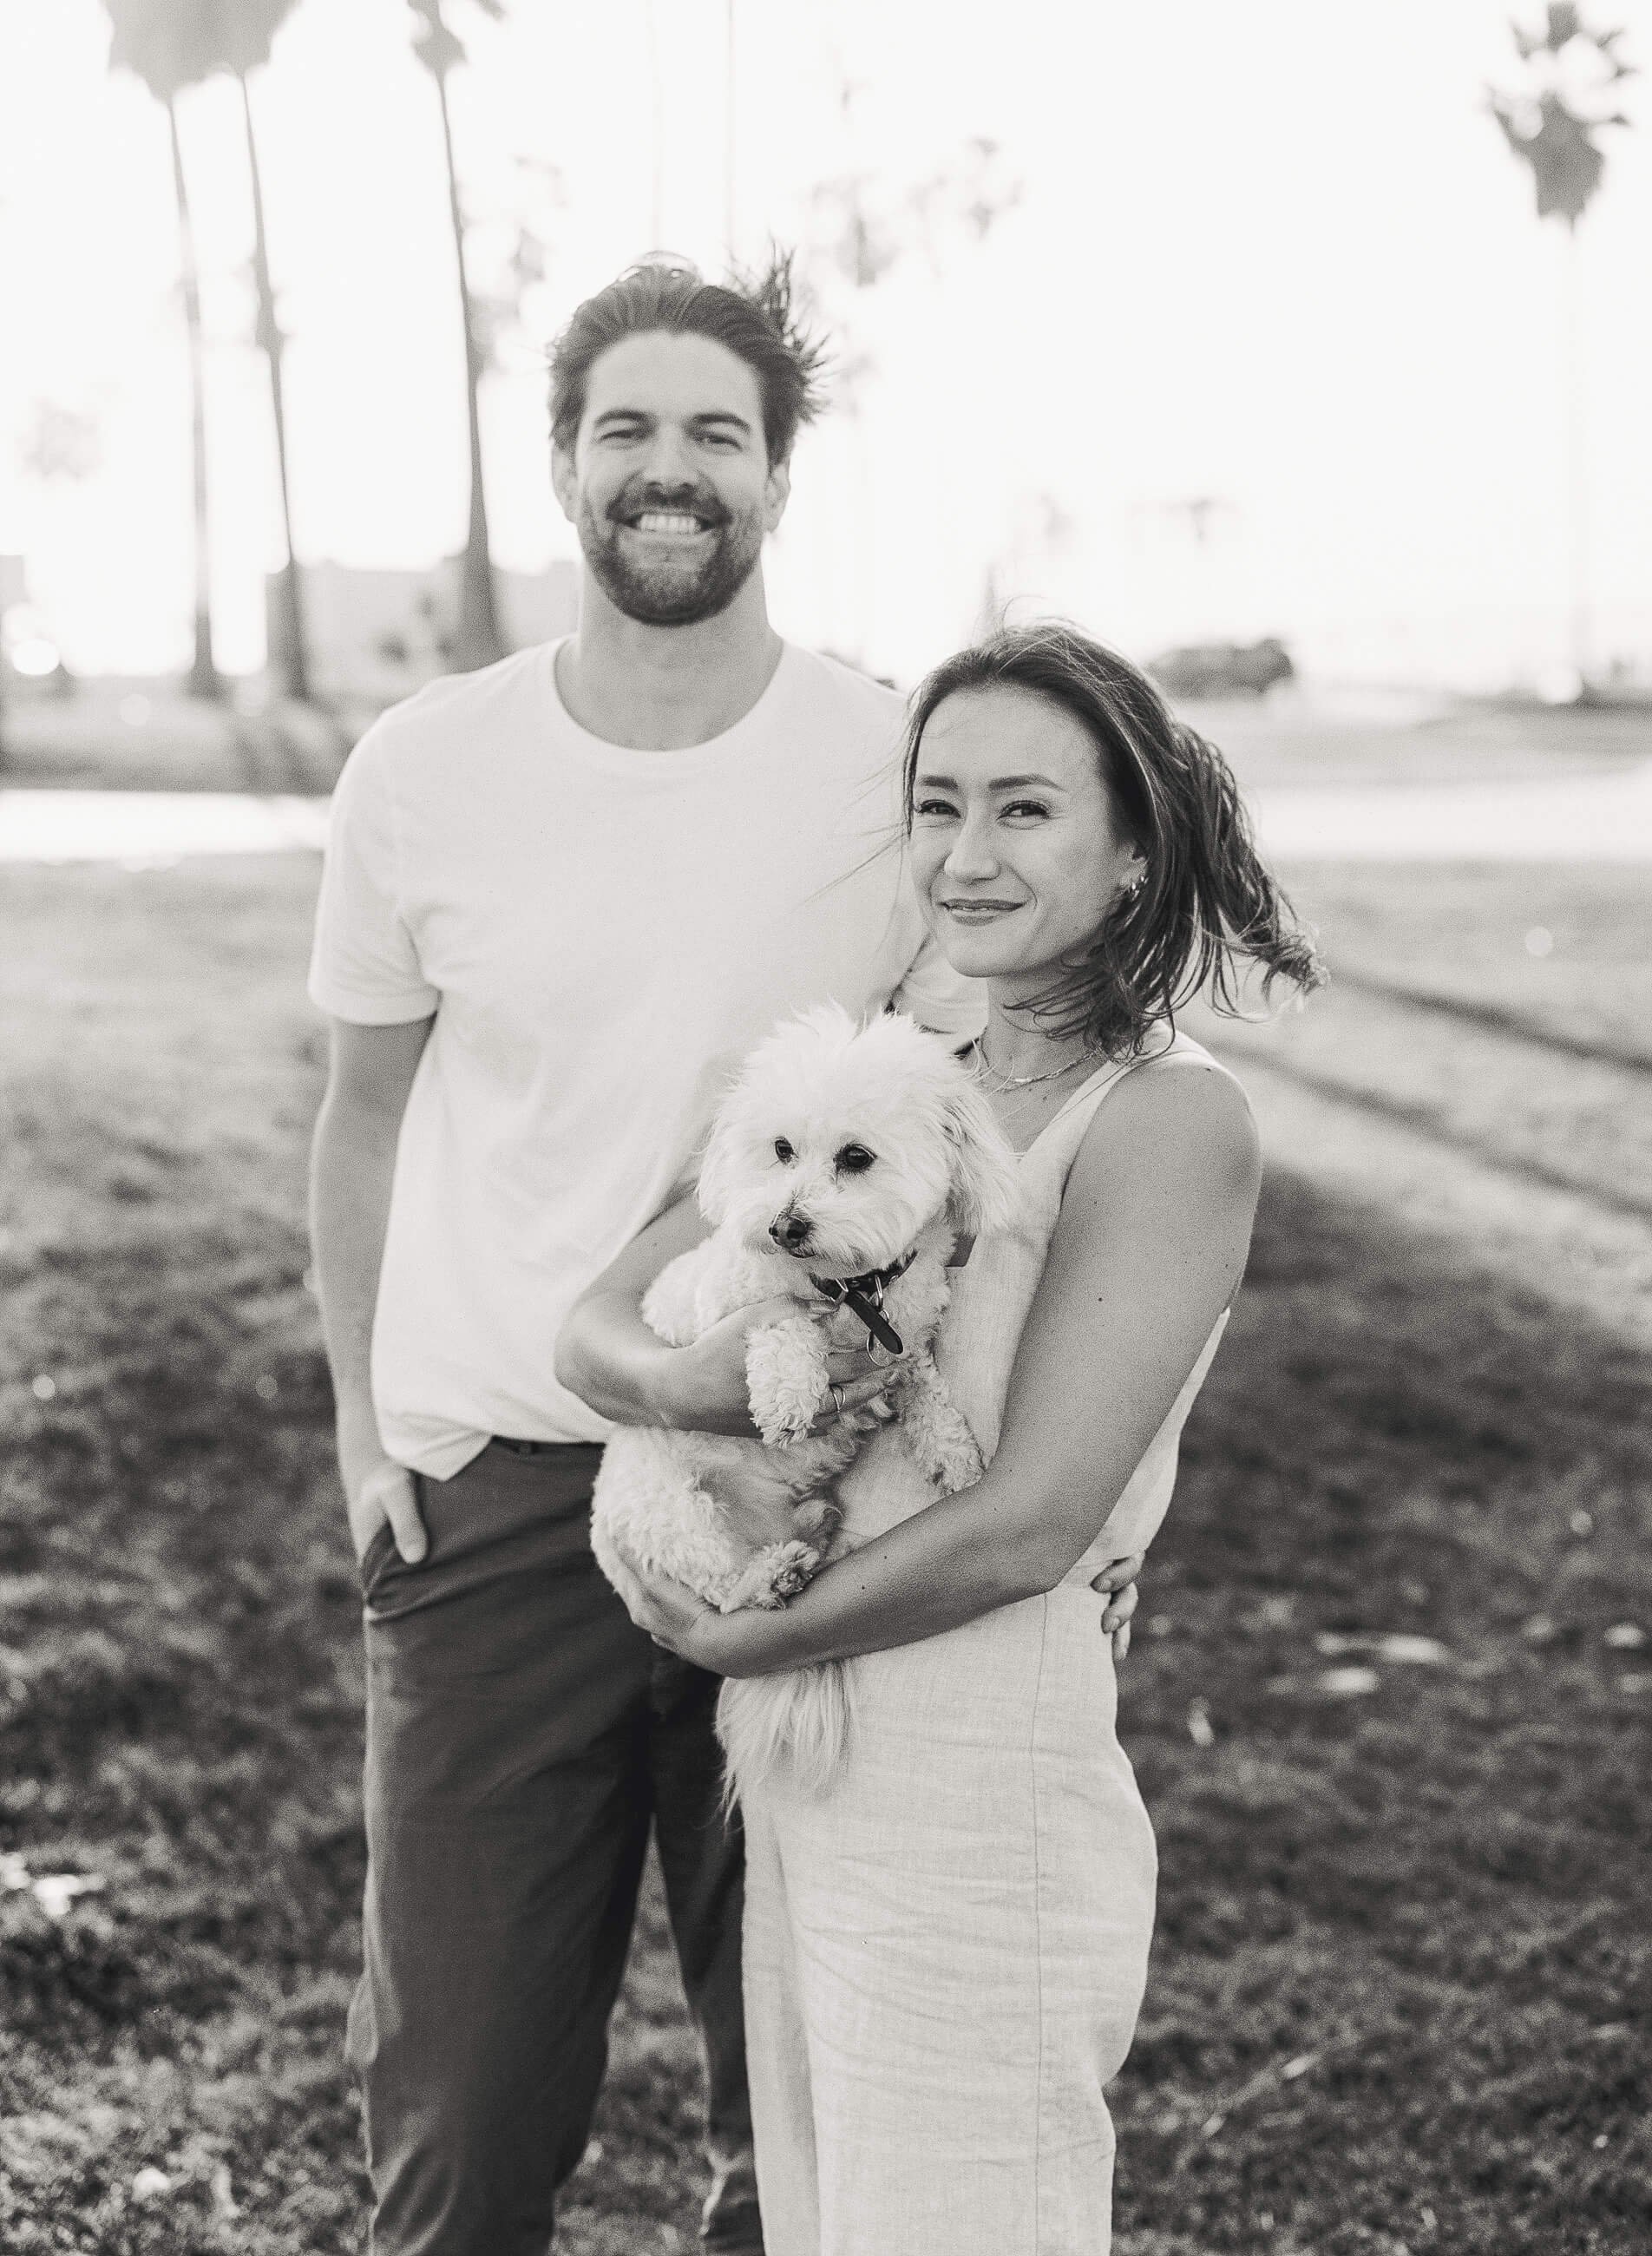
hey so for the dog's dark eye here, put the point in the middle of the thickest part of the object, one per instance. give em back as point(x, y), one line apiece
point(783, 1150)
point(855, 1158)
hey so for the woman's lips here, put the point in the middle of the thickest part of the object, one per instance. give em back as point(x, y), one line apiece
point(979, 912)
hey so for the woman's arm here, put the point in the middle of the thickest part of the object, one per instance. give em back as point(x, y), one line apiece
point(606, 1354)
point(1148, 1251)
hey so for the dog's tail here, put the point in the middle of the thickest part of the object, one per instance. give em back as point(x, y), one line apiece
point(801, 1719)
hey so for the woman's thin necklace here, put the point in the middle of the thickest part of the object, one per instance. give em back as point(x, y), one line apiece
point(1009, 1081)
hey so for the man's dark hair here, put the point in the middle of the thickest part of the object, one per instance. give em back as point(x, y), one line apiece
point(754, 315)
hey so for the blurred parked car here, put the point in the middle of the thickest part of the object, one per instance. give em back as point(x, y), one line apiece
point(1223, 669)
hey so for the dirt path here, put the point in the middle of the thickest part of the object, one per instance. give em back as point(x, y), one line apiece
point(1526, 1160)
point(1566, 1247)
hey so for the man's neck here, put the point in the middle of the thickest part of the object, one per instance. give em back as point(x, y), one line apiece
point(662, 689)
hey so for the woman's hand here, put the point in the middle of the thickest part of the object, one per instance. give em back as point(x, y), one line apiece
point(675, 1616)
point(668, 1610)
point(708, 1388)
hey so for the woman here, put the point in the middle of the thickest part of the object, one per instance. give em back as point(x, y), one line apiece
point(945, 1951)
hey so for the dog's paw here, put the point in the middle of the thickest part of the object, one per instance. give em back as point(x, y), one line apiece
point(785, 1380)
point(771, 1577)
point(792, 1565)
point(955, 1462)
point(941, 1442)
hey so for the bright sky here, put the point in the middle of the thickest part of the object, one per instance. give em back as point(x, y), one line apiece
point(1275, 255)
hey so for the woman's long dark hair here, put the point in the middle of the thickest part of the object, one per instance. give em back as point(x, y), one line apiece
point(1206, 901)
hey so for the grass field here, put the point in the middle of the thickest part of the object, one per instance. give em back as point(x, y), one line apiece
point(1400, 1995)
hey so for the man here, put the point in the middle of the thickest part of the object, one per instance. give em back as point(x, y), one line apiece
point(562, 897)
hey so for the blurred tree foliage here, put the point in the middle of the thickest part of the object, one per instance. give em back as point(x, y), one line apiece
point(1553, 121)
point(510, 257)
point(861, 225)
point(61, 444)
point(864, 222)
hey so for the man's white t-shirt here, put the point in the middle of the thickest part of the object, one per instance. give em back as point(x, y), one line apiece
point(602, 935)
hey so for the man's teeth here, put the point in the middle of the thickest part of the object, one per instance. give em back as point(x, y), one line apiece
point(668, 520)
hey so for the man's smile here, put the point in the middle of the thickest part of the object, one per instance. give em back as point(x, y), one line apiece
point(668, 521)
point(673, 525)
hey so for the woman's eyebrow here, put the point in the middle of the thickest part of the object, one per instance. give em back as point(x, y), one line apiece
point(999, 783)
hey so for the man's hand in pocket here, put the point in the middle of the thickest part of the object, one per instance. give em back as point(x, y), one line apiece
point(384, 1495)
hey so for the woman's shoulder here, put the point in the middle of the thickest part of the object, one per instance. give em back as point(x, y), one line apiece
point(1181, 1063)
point(1178, 1111)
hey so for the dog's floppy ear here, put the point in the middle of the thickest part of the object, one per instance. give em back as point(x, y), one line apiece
point(985, 1188)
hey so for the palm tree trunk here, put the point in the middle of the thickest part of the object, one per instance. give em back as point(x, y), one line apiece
point(204, 678)
point(1577, 465)
point(293, 653)
point(729, 117)
point(478, 642)
point(657, 100)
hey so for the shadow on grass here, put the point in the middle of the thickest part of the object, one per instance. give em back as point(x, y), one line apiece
point(1400, 1984)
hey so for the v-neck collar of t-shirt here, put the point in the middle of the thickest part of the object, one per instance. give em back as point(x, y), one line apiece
point(753, 731)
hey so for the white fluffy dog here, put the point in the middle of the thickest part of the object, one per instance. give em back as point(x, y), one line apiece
point(843, 1167)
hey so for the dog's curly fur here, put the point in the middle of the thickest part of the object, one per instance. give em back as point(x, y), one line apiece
point(840, 1149)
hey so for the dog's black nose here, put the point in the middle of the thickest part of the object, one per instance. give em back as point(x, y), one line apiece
point(789, 1229)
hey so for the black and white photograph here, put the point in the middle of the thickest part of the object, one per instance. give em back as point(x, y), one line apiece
point(825, 1128)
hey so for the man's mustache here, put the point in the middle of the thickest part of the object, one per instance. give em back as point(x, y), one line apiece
point(689, 500)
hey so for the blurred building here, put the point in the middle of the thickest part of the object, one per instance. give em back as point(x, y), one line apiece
point(375, 636)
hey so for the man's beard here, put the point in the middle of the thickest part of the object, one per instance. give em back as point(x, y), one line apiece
point(671, 592)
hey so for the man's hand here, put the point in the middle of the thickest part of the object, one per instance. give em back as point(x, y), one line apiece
point(1116, 1582)
point(707, 1388)
point(378, 1492)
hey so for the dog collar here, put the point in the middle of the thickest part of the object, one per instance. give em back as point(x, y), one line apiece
point(862, 1297)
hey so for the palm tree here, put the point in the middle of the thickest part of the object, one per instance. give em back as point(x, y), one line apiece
point(249, 27)
point(172, 45)
point(478, 641)
point(161, 43)
point(1551, 125)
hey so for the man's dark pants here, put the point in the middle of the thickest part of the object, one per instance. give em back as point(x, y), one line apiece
point(520, 1734)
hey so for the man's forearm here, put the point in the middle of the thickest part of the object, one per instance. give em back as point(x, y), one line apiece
point(352, 1166)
